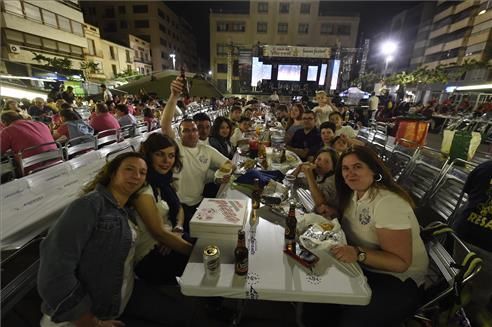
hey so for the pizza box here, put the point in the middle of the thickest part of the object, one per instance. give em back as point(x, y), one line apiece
point(218, 218)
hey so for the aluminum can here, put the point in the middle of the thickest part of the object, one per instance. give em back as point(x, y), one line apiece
point(211, 260)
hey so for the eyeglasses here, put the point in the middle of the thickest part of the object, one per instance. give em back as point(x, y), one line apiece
point(307, 118)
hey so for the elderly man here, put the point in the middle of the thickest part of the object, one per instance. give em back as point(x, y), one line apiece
point(39, 111)
point(198, 158)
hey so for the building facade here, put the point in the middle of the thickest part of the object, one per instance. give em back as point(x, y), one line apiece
point(151, 21)
point(294, 23)
point(33, 31)
point(142, 57)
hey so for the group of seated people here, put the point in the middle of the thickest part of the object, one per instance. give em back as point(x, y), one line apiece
point(103, 259)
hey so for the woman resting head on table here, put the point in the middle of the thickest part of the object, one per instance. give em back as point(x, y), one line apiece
point(383, 236)
point(162, 252)
point(320, 177)
point(86, 275)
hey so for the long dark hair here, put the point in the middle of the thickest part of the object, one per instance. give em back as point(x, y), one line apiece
point(156, 142)
point(334, 159)
point(107, 172)
point(215, 130)
point(300, 107)
point(370, 158)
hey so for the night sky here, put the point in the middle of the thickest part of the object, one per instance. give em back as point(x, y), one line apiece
point(374, 15)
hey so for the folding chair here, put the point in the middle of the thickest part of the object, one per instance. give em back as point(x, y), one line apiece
point(7, 168)
point(107, 137)
point(446, 275)
point(32, 163)
point(79, 145)
point(423, 173)
point(401, 158)
point(378, 144)
point(126, 131)
point(142, 128)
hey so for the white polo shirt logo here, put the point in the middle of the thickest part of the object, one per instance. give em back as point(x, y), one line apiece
point(364, 217)
point(203, 159)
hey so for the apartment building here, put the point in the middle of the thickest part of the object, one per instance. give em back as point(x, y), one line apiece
point(111, 58)
point(151, 21)
point(52, 29)
point(295, 23)
point(142, 58)
point(460, 30)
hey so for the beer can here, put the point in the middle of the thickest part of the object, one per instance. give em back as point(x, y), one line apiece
point(211, 260)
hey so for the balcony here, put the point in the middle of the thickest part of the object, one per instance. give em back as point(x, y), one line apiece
point(439, 32)
point(464, 5)
point(434, 49)
point(459, 25)
point(479, 37)
point(453, 44)
point(449, 61)
point(443, 14)
point(431, 65)
point(483, 17)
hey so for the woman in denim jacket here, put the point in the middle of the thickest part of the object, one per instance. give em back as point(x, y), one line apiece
point(86, 270)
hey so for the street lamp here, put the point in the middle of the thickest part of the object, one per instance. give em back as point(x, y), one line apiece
point(388, 49)
point(210, 73)
point(173, 57)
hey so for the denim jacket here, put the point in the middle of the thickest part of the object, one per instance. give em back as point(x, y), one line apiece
point(82, 259)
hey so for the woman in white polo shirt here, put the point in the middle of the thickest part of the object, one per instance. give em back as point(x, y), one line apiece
point(383, 236)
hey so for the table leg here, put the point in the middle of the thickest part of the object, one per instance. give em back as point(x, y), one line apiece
point(299, 308)
point(240, 305)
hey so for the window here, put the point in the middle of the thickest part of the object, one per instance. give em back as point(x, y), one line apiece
point(91, 47)
point(128, 58)
point(327, 29)
point(108, 12)
point(238, 27)
point(49, 18)
point(343, 29)
point(64, 23)
point(141, 24)
point(283, 8)
point(129, 68)
point(115, 71)
point(112, 53)
point(14, 36)
point(305, 8)
point(140, 9)
point(49, 44)
point(109, 27)
point(221, 49)
point(261, 27)
point(32, 12)
point(162, 28)
point(77, 50)
point(14, 7)
point(283, 28)
point(33, 40)
point(263, 7)
point(77, 28)
point(221, 68)
point(121, 9)
point(123, 24)
point(303, 29)
point(63, 47)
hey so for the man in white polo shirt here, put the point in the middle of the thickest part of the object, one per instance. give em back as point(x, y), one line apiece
point(198, 158)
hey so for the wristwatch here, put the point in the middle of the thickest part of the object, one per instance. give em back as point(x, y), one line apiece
point(178, 228)
point(361, 255)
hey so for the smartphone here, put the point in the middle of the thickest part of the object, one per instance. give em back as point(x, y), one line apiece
point(303, 256)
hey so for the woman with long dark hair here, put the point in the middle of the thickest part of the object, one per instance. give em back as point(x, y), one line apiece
point(383, 236)
point(162, 252)
point(295, 121)
point(220, 136)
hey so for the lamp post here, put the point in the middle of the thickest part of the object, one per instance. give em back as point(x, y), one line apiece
point(173, 57)
point(388, 49)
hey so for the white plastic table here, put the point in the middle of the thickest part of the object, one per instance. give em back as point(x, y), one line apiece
point(272, 275)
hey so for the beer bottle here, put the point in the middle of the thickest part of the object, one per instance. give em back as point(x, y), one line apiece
point(290, 229)
point(241, 255)
point(186, 87)
point(256, 195)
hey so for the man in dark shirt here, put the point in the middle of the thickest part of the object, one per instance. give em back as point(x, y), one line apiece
point(68, 95)
point(39, 111)
point(307, 141)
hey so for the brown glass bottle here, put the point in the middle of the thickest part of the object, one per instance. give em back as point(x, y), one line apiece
point(186, 87)
point(290, 229)
point(256, 195)
point(241, 255)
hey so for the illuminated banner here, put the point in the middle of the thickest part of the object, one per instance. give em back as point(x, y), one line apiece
point(295, 52)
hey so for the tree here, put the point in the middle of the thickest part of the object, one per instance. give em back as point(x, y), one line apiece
point(60, 64)
point(367, 80)
point(90, 67)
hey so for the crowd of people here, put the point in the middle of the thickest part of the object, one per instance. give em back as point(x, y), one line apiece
point(128, 233)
